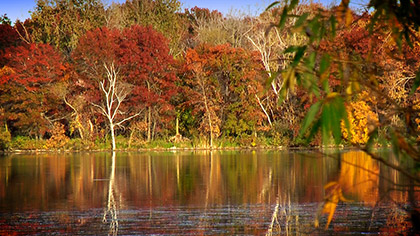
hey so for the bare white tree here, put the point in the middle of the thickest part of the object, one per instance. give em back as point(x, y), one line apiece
point(269, 42)
point(114, 93)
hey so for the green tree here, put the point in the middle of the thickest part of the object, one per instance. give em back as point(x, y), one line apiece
point(162, 15)
point(61, 22)
point(4, 20)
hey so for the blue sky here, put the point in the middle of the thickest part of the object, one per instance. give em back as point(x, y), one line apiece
point(18, 9)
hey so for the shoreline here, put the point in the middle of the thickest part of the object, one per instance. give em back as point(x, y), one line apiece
point(180, 149)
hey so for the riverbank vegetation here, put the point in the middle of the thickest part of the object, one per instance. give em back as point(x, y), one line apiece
point(82, 75)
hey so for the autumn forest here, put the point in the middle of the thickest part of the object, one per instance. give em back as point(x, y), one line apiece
point(146, 73)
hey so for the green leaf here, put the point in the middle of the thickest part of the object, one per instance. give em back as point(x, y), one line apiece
point(283, 18)
point(301, 20)
point(291, 49)
point(394, 144)
point(322, 32)
point(325, 123)
point(338, 113)
point(293, 4)
point(314, 130)
point(298, 56)
point(325, 63)
point(315, 89)
point(374, 19)
point(333, 22)
point(398, 39)
point(407, 39)
point(305, 79)
point(373, 135)
point(416, 83)
point(310, 62)
point(310, 117)
point(314, 27)
point(272, 5)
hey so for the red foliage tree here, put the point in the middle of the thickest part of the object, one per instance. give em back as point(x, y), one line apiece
point(26, 81)
point(140, 58)
point(8, 37)
point(148, 65)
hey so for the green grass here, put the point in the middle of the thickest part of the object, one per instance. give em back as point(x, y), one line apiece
point(122, 142)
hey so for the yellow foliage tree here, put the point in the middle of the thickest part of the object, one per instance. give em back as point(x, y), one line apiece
point(361, 118)
point(58, 137)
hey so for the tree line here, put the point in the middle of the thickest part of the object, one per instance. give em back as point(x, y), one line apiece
point(146, 70)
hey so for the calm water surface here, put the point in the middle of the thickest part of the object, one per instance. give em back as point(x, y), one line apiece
point(199, 193)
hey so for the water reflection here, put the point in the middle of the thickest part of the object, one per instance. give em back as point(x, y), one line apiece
point(359, 177)
point(111, 210)
point(197, 193)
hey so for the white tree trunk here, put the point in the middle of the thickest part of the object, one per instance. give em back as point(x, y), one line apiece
point(112, 128)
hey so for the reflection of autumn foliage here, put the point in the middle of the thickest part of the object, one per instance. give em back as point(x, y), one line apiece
point(359, 176)
point(200, 183)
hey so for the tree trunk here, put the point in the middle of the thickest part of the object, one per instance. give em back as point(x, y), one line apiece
point(112, 128)
point(209, 120)
point(149, 124)
point(80, 127)
point(211, 131)
point(149, 118)
point(131, 138)
point(208, 115)
point(264, 110)
point(153, 131)
point(177, 127)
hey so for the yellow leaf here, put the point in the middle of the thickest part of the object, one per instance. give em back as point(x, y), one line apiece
point(348, 90)
point(332, 95)
point(330, 184)
point(331, 201)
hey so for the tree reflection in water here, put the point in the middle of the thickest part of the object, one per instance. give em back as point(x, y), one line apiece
point(365, 181)
point(201, 192)
point(111, 210)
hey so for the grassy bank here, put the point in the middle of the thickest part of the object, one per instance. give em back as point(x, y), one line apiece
point(22, 143)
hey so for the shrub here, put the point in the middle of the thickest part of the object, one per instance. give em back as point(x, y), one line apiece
point(58, 137)
point(26, 143)
point(5, 138)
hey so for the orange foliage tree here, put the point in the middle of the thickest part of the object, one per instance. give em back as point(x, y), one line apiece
point(222, 82)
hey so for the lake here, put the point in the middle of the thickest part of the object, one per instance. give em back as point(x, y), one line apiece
point(202, 193)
